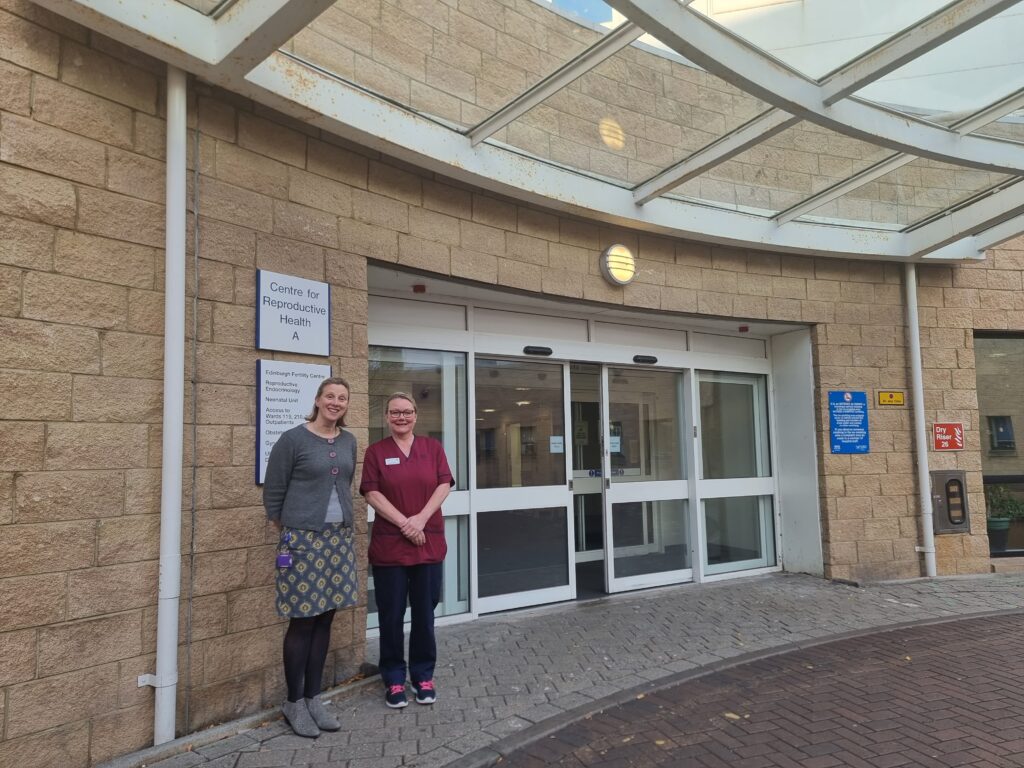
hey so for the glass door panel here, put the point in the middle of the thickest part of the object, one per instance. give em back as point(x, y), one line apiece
point(733, 425)
point(646, 496)
point(524, 528)
point(644, 409)
point(651, 537)
point(736, 486)
point(739, 532)
point(520, 424)
point(523, 550)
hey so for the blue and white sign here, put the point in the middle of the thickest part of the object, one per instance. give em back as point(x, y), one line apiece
point(285, 394)
point(293, 314)
point(848, 422)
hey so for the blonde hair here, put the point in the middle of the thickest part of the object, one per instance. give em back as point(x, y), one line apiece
point(400, 396)
point(337, 381)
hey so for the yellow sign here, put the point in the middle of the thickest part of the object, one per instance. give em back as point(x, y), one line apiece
point(890, 398)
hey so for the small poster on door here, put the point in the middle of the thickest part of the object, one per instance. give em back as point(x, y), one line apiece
point(557, 444)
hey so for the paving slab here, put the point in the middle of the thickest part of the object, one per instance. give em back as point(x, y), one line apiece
point(509, 681)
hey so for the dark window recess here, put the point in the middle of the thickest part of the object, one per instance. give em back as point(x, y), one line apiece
point(1001, 433)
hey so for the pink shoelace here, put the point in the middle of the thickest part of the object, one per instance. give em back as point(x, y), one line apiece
point(396, 689)
point(426, 685)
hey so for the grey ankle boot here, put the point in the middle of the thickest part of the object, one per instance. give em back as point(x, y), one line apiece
point(324, 719)
point(298, 717)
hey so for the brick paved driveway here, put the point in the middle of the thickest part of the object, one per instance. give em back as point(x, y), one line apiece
point(947, 694)
point(510, 679)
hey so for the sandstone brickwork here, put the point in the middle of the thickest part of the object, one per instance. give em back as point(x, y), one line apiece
point(81, 324)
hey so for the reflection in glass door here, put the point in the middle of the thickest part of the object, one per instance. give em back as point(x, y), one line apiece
point(521, 498)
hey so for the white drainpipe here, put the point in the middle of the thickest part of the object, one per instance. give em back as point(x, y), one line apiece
point(920, 427)
point(165, 681)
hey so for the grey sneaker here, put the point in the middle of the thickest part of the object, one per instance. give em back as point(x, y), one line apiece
point(298, 717)
point(324, 719)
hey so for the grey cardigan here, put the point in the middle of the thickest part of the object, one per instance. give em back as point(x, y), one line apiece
point(299, 478)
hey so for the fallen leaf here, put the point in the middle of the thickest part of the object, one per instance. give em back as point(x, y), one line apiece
point(731, 716)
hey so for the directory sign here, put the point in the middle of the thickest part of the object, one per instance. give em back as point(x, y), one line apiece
point(285, 394)
point(848, 422)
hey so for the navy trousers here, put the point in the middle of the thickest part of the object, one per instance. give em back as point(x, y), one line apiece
point(395, 586)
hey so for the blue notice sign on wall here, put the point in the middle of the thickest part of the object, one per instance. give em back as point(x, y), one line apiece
point(848, 422)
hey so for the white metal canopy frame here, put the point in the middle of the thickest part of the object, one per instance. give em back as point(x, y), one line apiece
point(237, 46)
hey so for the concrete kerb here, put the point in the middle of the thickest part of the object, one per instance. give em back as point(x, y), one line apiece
point(239, 727)
point(493, 754)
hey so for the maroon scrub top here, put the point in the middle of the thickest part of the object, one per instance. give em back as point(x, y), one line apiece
point(407, 482)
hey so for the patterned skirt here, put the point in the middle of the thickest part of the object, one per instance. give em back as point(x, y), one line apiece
point(323, 573)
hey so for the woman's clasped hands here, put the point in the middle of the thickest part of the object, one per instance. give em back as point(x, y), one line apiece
point(412, 529)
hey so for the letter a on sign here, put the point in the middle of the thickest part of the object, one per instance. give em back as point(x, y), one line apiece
point(948, 436)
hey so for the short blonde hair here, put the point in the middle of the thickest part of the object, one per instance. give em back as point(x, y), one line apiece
point(400, 396)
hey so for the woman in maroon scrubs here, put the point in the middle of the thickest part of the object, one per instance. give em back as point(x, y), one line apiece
point(406, 479)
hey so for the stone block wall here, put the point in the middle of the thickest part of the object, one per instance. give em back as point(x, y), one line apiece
point(81, 324)
point(81, 367)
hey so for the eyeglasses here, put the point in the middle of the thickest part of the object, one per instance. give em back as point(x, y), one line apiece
point(401, 414)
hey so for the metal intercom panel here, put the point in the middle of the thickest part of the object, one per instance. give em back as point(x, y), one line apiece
point(950, 513)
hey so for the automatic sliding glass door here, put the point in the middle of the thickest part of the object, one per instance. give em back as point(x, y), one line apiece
point(647, 526)
point(522, 500)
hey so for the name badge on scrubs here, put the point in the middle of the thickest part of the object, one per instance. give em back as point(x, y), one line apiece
point(391, 462)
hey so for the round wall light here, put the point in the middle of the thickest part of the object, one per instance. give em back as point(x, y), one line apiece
point(618, 265)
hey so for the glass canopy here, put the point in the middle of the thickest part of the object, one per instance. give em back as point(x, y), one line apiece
point(771, 123)
point(636, 109)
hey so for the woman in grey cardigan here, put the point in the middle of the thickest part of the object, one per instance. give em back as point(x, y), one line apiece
point(307, 493)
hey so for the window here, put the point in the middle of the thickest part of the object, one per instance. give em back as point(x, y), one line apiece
point(999, 366)
point(438, 382)
point(1000, 432)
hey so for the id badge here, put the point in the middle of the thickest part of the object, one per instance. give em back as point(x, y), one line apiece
point(284, 557)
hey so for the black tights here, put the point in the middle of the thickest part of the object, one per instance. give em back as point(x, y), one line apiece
point(305, 652)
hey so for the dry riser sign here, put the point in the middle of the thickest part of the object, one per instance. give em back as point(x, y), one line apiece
point(948, 436)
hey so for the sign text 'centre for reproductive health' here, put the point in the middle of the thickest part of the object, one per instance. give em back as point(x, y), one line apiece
point(293, 314)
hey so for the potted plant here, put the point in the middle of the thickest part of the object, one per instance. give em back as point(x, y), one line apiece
point(1003, 508)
